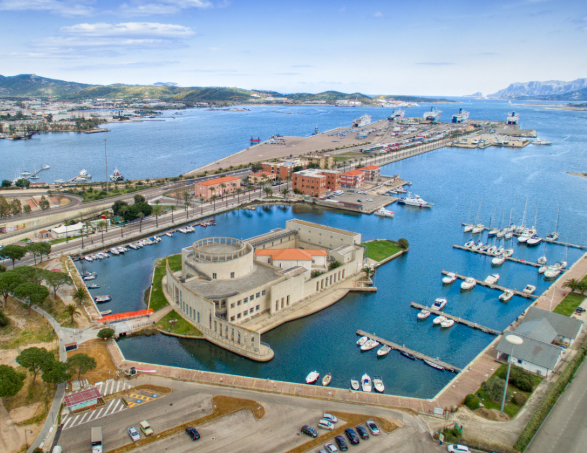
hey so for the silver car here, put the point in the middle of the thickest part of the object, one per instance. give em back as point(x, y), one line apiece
point(134, 434)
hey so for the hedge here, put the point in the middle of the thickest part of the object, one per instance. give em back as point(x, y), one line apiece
point(550, 399)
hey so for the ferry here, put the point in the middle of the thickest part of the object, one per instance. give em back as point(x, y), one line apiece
point(415, 201)
point(397, 115)
point(460, 117)
point(116, 176)
point(513, 118)
point(361, 121)
point(432, 115)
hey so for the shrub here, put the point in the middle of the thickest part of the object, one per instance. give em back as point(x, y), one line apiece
point(519, 399)
point(494, 388)
point(519, 377)
point(403, 243)
point(472, 402)
point(524, 383)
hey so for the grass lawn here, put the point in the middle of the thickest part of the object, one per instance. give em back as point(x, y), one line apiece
point(158, 300)
point(379, 250)
point(25, 329)
point(569, 304)
point(181, 327)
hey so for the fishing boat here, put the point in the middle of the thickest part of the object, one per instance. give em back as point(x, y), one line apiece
point(408, 355)
point(383, 351)
point(361, 341)
point(378, 384)
point(434, 365)
point(551, 237)
point(438, 320)
point(468, 284)
point(423, 314)
point(447, 323)
point(529, 289)
point(102, 299)
point(326, 380)
point(439, 304)
point(449, 278)
point(312, 377)
point(497, 261)
point(366, 383)
point(492, 279)
point(355, 384)
point(89, 277)
point(506, 295)
point(369, 344)
point(89, 259)
point(93, 286)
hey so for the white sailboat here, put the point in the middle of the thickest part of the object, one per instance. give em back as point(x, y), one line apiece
point(550, 237)
point(468, 226)
point(477, 227)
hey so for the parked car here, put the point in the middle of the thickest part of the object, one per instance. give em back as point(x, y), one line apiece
point(326, 424)
point(308, 430)
point(329, 417)
point(372, 427)
point(192, 432)
point(352, 436)
point(331, 448)
point(456, 448)
point(341, 443)
point(146, 428)
point(134, 434)
point(362, 432)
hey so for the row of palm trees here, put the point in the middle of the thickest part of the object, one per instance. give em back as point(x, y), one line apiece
point(576, 286)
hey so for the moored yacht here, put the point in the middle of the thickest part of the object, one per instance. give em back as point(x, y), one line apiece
point(450, 278)
point(369, 344)
point(439, 303)
point(469, 283)
point(415, 200)
point(366, 383)
point(506, 295)
point(438, 320)
point(534, 240)
point(423, 314)
point(492, 279)
point(383, 351)
point(497, 261)
point(552, 272)
point(312, 377)
point(529, 289)
point(478, 229)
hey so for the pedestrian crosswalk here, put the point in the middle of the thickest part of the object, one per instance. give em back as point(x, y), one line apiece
point(112, 407)
point(112, 386)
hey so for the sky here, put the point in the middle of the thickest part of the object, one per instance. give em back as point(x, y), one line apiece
point(373, 47)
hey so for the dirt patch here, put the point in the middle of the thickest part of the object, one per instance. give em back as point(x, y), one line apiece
point(154, 389)
point(21, 414)
point(25, 328)
point(492, 414)
point(105, 368)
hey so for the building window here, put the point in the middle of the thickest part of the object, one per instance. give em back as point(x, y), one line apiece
point(238, 316)
point(214, 276)
point(276, 305)
point(245, 300)
point(238, 303)
point(252, 297)
point(232, 275)
point(232, 318)
point(246, 313)
point(258, 295)
point(287, 300)
point(232, 305)
point(263, 293)
point(257, 307)
point(198, 316)
point(317, 286)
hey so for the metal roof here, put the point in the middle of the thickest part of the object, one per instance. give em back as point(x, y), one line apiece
point(564, 326)
point(82, 397)
point(533, 351)
point(538, 329)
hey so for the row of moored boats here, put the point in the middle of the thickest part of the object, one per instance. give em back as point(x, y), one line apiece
point(366, 384)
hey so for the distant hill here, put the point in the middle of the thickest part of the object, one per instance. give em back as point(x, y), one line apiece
point(478, 94)
point(164, 84)
point(550, 90)
point(411, 98)
point(33, 85)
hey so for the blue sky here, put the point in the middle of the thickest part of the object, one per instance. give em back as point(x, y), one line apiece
point(375, 47)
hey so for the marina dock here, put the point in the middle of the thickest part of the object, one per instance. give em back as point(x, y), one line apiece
point(497, 287)
point(473, 325)
point(418, 355)
point(507, 258)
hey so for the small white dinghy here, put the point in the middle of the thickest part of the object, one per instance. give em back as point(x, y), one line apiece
point(383, 351)
point(366, 383)
point(361, 341)
point(468, 284)
point(507, 295)
point(438, 320)
point(447, 323)
point(312, 377)
point(355, 384)
point(542, 269)
point(378, 384)
point(423, 314)
point(450, 278)
point(492, 279)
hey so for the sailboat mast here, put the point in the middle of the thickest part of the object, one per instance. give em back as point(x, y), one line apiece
point(557, 214)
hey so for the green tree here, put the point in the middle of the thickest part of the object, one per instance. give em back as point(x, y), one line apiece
point(72, 311)
point(11, 381)
point(285, 192)
point(214, 198)
point(80, 295)
point(56, 279)
point(141, 216)
point(2, 268)
point(16, 207)
point(55, 372)
point(106, 334)
point(9, 281)
point(44, 203)
point(29, 274)
point(139, 199)
point(102, 224)
point(13, 252)
point(6, 183)
point(472, 402)
point(315, 274)
point(334, 265)
point(494, 388)
point(368, 271)
point(45, 249)
point(267, 191)
point(573, 284)
point(22, 183)
point(81, 363)
point(31, 293)
point(238, 194)
point(33, 359)
point(403, 243)
point(5, 210)
point(35, 249)
point(26, 209)
point(4, 320)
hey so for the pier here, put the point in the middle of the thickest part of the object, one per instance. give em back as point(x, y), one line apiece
point(465, 322)
point(507, 258)
point(498, 287)
point(418, 355)
point(35, 173)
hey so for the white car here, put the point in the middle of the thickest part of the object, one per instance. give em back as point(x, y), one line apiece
point(456, 448)
point(134, 434)
point(329, 417)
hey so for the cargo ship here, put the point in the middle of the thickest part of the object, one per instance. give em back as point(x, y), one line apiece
point(396, 115)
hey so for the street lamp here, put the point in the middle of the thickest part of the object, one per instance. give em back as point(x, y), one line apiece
point(25, 437)
point(106, 159)
point(513, 340)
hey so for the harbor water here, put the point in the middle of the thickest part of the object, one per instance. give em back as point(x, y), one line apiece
point(450, 178)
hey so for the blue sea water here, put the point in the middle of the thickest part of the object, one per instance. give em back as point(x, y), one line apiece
point(500, 178)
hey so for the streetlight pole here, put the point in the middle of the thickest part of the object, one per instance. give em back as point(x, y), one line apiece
point(106, 160)
point(513, 340)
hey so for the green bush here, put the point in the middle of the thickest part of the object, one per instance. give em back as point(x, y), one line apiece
point(494, 388)
point(4, 320)
point(519, 399)
point(524, 383)
point(472, 402)
point(519, 377)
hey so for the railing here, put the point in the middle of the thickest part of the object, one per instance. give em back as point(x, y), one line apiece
point(268, 238)
point(216, 257)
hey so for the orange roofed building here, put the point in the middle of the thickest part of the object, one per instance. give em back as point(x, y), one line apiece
point(353, 178)
point(206, 189)
point(372, 172)
point(286, 258)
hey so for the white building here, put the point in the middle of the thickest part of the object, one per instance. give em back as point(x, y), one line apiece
point(67, 230)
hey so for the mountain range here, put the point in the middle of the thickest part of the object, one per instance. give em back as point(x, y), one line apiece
point(551, 90)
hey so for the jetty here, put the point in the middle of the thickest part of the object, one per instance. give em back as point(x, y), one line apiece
point(465, 322)
point(418, 355)
point(497, 287)
point(33, 174)
point(507, 258)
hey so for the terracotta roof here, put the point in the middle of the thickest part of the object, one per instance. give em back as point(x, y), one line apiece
point(370, 167)
point(82, 397)
point(265, 252)
point(260, 174)
point(212, 182)
point(353, 173)
point(291, 254)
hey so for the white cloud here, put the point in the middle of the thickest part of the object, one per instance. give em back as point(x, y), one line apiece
point(129, 29)
point(342, 10)
point(64, 8)
point(148, 8)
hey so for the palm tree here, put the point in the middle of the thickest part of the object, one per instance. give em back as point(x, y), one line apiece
point(80, 295)
point(222, 186)
point(368, 271)
point(101, 225)
point(187, 209)
point(238, 194)
point(214, 198)
point(157, 211)
point(141, 216)
point(573, 284)
point(202, 205)
point(285, 192)
point(249, 188)
point(72, 311)
point(267, 191)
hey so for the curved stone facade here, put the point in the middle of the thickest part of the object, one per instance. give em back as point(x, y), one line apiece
point(221, 258)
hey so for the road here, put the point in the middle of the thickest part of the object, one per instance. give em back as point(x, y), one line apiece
point(564, 428)
point(277, 431)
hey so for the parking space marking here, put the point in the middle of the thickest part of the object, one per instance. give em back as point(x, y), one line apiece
point(112, 408)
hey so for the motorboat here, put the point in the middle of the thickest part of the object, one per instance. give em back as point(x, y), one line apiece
point(382, 212)
point(378, 384)
point(469, 283)
point(497, 261)
point(523, 238)
point(120, 249)
point(366, 383)
point(447, 323)
point(469, 244)
point(541, 141)
point(434, 365)
point(450, 278)
point(468, 228)
point(326, 380)
point(529, 289)
point(355, 384)
point(501, 233)
point(551, 237)
point(508, 235)
point(492, 279)
point(534, 240)
point(384, 350)
point(88, 259)
point(506, 295)
point(133, 246)
point(492, 232)
point(492, 250)
point(408, 355)
point(312, 377)
point(485, 248)
point(423, 314)
point(478, 229)
point(361, 341)
point(438, 320)
point(542, 260)
point(542, 269)
point(415, 200)
point(508, 252)
point(102, 299)
point(169, 235)
point(439, 304)
point(560, 265)
point(93, 286)
point(552, 272)
point(106, 312)
point(89, 277)
point(85, 274)
point(369, 344)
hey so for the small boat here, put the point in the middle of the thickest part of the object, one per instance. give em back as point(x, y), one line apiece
point(369, 344)
point(506, 295)
point(497, 261)
point(434, 365)
point(552, 272)
point(499, 251)
point(542, 269)
point(133, 246)
point(114, 251)
point(312, 377)
point(104, 313)
point(468, 228)
point(378, 384)
point(93, 286)
point(355, 384)
point(492, 279)
point(102, 299)
point(89, 277)
point(408, 355)
point(468, 284)
point(485, 248)
point(542, 260)
point(88, 259)
point(541, 141)
point(423, 314)
point(551, 237)
point(560, 265)
point(508, 252)
point(366, 383)
point(529, 289)
point(469, 244)
point(169, 235)
point(492, 250)
point(382, 212)
point(447, 323)
point(361, 341)
point(492, 232)
point(508, 235)
point(439, 304)
point(501, 233)
point(534, 240)
point(326, 380)
point(383, 351)
point(121, 249)
point(450, 278)
point(438, 320)
point(523, 238)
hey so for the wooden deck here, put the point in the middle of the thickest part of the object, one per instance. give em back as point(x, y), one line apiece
point(418, 355)
point(465, 322)
point(507, 258)
point(497, 287)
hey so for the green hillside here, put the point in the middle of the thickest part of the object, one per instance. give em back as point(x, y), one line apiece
point(33, 85)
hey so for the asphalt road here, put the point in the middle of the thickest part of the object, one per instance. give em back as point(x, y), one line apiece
point(564, 428)
point(277, 431)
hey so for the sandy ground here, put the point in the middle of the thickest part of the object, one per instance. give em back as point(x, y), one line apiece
point(105, 369)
